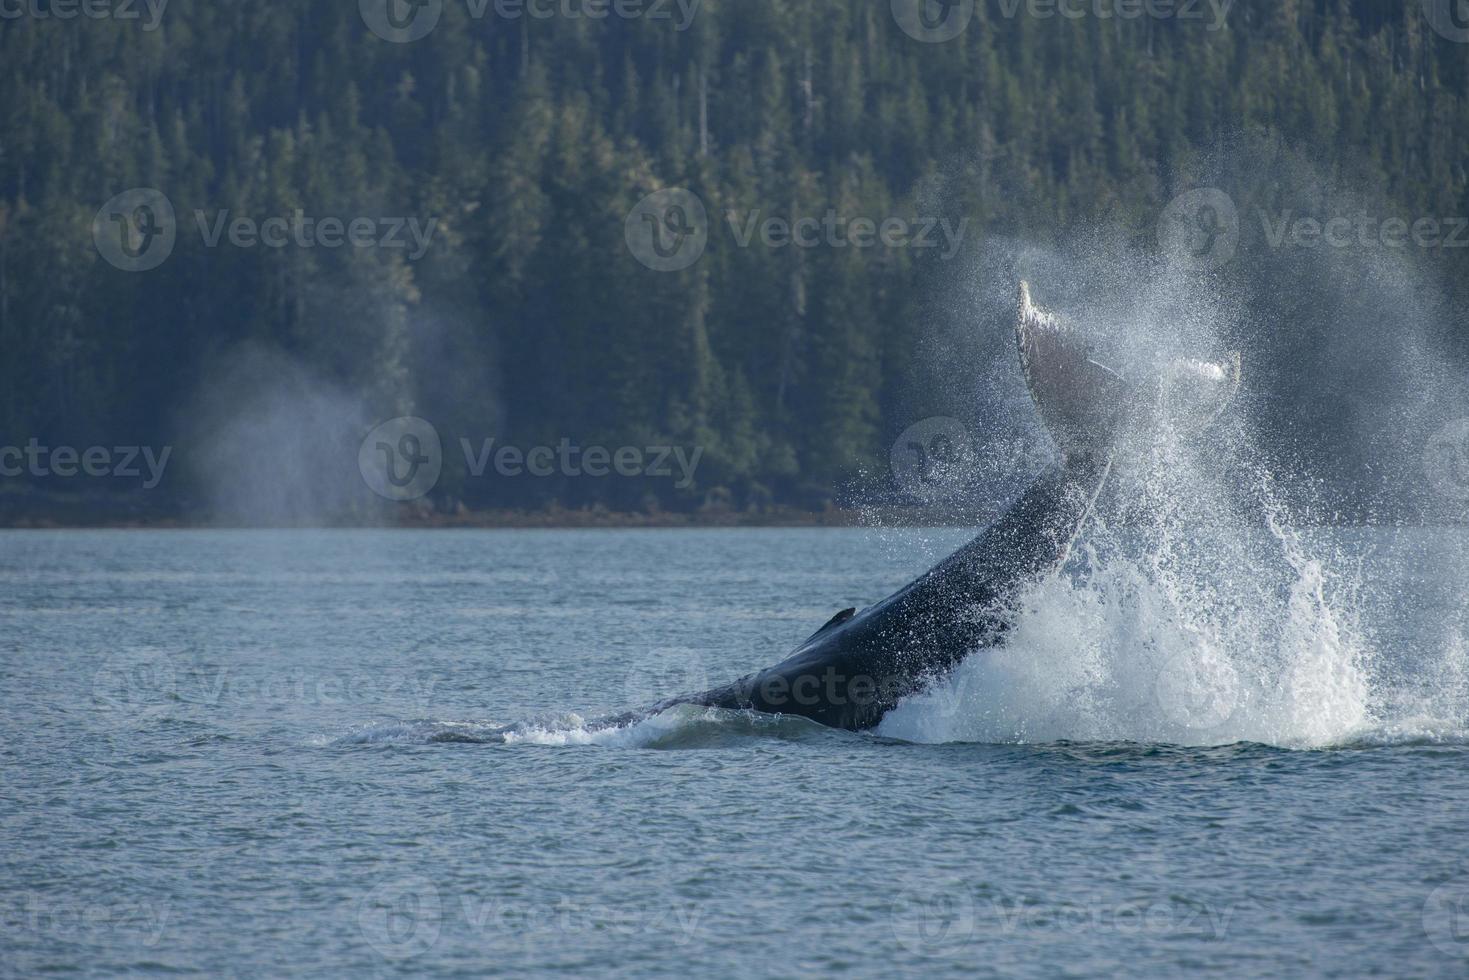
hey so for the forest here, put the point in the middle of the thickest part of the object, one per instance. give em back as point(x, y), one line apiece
point(366, 226)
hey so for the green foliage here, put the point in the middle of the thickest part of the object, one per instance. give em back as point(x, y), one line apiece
point(530, 141)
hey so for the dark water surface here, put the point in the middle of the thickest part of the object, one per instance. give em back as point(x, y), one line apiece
point(364, 753)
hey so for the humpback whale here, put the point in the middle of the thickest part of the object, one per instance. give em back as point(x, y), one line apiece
point(859, 665)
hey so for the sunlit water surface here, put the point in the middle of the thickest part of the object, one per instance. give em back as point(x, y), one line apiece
point(377, 752)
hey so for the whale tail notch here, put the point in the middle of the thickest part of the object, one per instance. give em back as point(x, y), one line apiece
point(1084, 402)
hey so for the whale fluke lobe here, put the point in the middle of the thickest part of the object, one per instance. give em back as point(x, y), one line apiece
point(1084, 402)
point(860, 665)
point(1079, 399)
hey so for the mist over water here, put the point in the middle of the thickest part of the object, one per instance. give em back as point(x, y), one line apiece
point(275, 444)
point(1205, 603)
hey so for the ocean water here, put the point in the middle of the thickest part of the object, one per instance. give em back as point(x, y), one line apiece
point(378, 752)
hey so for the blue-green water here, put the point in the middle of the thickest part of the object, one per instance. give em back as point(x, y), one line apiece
point(359, 753)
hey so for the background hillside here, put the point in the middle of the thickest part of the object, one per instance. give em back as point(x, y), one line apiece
point(529, 319)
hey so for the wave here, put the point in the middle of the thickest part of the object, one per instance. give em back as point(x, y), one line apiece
point(681, 727)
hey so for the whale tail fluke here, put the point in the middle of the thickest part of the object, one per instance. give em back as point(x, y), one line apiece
point(1084, 402)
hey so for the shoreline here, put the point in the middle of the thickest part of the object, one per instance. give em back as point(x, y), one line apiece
point(559, 519)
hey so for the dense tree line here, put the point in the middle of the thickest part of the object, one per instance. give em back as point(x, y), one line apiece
point(530, 140)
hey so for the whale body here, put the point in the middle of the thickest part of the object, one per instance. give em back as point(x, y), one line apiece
point(860, 665)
